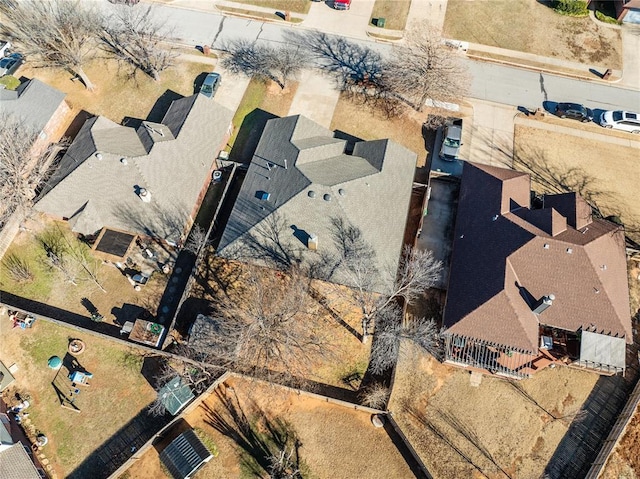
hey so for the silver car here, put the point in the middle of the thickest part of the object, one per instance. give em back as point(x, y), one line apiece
point(210, 85)
point(451, 141)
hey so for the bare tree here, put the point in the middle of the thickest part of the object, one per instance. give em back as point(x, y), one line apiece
point(424, 67)
point(391, 329)
point(279, 64)
point(197, 240)
point(267, 326)
point(53, 33)
point(136, 37)
point(18, 268)
point(375, 396)
point(373, 290)
point(22, 168)
point(283, 465)
point(57, 257)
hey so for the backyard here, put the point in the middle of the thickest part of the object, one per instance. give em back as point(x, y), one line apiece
point(116, 393)
point(557, 160)
point(347, 359)
point(533, 27)
point(248, 421)
point(499, 429)
point(71, 290)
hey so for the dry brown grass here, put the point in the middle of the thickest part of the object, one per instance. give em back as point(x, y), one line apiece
point(116, 393)
point(493, 426)
point(609, 171)
point(117, 95)
point(336, 441)
point(346, 355)
point(532, 27)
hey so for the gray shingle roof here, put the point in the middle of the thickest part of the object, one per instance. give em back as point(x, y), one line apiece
point(95, 184)
point(34, 102)
point(370, 189)
point(15, 463)
point(501, 258)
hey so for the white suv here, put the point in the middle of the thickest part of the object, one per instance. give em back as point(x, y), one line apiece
point(621, 120)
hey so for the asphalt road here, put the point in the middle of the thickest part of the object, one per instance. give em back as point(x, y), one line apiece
point(491, 82)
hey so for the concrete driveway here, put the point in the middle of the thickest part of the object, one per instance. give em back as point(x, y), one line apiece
point(316, 98)
point(631, 59)
point(349, 23)
point(491, 139)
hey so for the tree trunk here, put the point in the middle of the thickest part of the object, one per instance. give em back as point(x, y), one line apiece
point(85, 79)
point(154, 74)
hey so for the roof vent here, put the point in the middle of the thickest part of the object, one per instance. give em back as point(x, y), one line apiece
point(311, 194)
point(546, 246)
point(544, 303)
point(327, 197)
point(123, 161)
point(264, 196)
point(603, 267)
point(341, 192)
point(99, 156)
point(495, 217)
point(144, 195)
point(569, 250)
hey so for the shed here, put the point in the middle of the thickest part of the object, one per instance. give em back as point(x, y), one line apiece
point(175, 395)
point(600, 351)
point(185, 455)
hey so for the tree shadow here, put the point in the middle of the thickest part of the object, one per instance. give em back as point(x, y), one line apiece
point(258, 435)
point(249, 135)
point(161, 106)
point(129, 312)
point(199, 80)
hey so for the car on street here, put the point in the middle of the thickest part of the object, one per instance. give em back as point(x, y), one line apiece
point(451, 142)
point(9, 64)
point(210, 84)
point(621, 120)
point(574, 111)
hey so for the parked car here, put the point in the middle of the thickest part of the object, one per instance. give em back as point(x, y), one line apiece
point(211, 84)
point(621, 120)
point(574, 111)
point(9, 64)
point(451, 141)
point(342, 4)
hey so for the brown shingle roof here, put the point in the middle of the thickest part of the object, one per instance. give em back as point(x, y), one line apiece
point(502, 263)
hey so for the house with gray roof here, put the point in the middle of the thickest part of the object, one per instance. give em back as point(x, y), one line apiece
point(148, 180)
point(40, 106)
point(533, 282)
point(301, 181)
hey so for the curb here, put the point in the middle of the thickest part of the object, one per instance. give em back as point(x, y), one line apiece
point(542, 70)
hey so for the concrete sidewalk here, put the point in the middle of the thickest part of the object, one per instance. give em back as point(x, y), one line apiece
point(490, 139)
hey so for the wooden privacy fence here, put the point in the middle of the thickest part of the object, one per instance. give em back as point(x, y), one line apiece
point(616, 434)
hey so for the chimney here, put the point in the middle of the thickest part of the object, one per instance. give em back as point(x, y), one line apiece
point(544, 303)
point(312, 242)
point(144, 195)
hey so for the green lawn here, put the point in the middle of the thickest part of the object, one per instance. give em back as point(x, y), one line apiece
point(116, 394)
point(261, 101)
point(393, 11)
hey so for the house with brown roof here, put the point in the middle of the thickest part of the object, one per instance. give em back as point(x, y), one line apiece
point(533, 282)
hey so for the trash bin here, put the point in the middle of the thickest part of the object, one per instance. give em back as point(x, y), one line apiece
point(206, 49)
point(380, 22)
point(607, 74)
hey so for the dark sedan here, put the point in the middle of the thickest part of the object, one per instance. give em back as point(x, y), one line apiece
point(9, 64)
point(574, 111)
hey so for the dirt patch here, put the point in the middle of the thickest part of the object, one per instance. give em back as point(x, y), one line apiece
point(244, 418)
point(560, 162)
point(454, 426)
point(535, 28)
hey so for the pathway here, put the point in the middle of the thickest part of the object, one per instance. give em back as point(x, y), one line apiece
point(315, 98)
point(491, 134)
point(631, 59)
